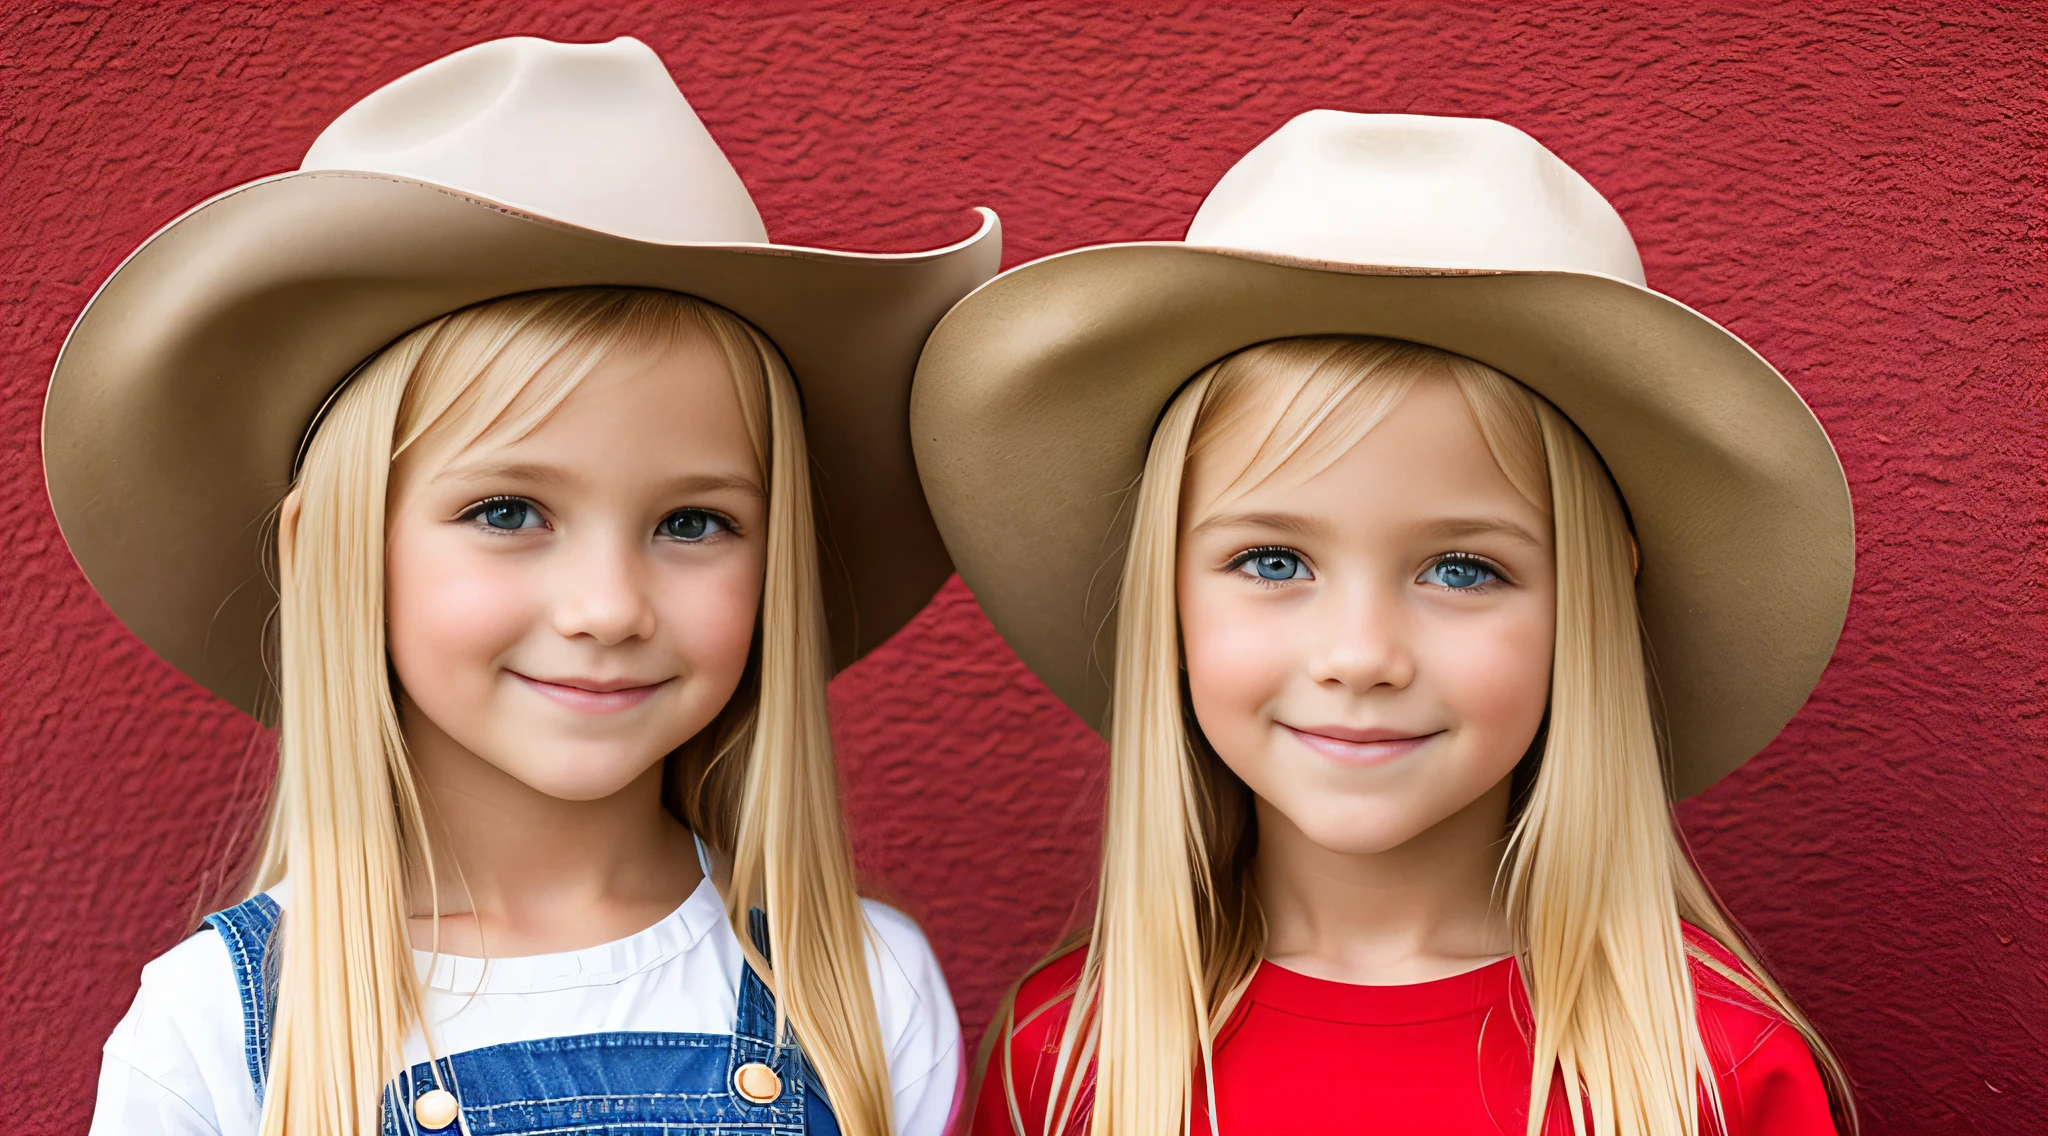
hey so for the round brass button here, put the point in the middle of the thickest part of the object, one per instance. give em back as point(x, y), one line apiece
point(757, 1082)
point(435, 1109)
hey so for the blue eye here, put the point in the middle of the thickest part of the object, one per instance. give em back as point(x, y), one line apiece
point(691, 525)
point(506, 514)
point(1459, 573)
point(1274, 564)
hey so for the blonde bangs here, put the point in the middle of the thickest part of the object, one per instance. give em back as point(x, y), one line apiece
point(499, 370)
point(1310, 400)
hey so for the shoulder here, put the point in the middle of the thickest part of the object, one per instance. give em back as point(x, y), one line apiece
point(1731, 1015)
point(1038, 1020)
point(187, 993)
point(1046, 996)
point(180, 1046)
point(1769, 1081)
point(920, 1030)
point(1018, 1085)
point(903, 968)
point(897, 939)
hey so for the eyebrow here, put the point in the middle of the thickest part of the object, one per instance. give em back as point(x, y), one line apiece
point(1453, 527)
point(548, 475)
point(1282, 522)
point(711, 482)
point(1450, 528)
point(505, 471)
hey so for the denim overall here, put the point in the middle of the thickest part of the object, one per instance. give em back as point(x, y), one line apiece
point(599, 1084)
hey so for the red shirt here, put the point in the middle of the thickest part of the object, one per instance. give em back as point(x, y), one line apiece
point(1302, 1055)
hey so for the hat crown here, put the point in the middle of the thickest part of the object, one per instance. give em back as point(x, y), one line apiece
point(1410, 190)
point(593, 134)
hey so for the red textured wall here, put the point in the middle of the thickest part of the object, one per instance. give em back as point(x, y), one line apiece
point(1855, 189)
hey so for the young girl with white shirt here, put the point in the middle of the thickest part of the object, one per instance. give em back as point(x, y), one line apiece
point(554, 842)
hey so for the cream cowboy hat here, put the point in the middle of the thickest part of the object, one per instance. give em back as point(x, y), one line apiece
point(180, 399)
point(1036, 398)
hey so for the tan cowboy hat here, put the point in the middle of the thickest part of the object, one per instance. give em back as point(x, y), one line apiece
point(185, 389)
point(1036, 398)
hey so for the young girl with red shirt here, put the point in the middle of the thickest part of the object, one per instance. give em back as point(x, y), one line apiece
point(1458, 556)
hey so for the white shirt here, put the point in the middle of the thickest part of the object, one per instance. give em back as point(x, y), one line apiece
point(175, 1067)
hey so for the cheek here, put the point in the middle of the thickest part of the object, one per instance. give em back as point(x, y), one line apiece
point(1494, 676)
point(1237, 662)
point(451, 612)
point(708, 615)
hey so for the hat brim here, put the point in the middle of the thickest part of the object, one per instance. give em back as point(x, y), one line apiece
point(180, 399)
point(1036, 398)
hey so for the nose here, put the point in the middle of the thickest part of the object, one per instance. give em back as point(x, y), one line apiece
point(602, 592)
point(1361, 640)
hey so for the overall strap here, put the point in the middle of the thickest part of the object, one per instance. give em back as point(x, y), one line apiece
point(757, 1005)
point(754, 1035)
point(250, 931)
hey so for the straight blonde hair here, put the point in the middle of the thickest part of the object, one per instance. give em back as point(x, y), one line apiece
point(347, 819)
point(1595, 884)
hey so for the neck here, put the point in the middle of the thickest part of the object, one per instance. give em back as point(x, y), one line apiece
point(1421, 910)
point(519, 872)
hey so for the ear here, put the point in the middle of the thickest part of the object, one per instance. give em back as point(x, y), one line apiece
point(1635, 558)
point(287, 534)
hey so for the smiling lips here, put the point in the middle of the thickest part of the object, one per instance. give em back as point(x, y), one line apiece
point(1359, 747)
point(592, 696)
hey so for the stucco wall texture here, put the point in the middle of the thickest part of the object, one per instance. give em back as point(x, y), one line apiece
point(1855, 189)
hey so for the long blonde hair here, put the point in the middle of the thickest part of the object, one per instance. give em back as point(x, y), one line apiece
point(346, 817)
point(1595, 881)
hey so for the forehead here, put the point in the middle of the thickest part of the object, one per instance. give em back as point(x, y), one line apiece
point(1425, 460)
point(640, 410)
point(670, 387)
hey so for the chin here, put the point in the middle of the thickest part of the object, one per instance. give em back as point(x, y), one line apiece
point(567, 776)
point(1357, 836)
point(579, 790)
point(1355, 845)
